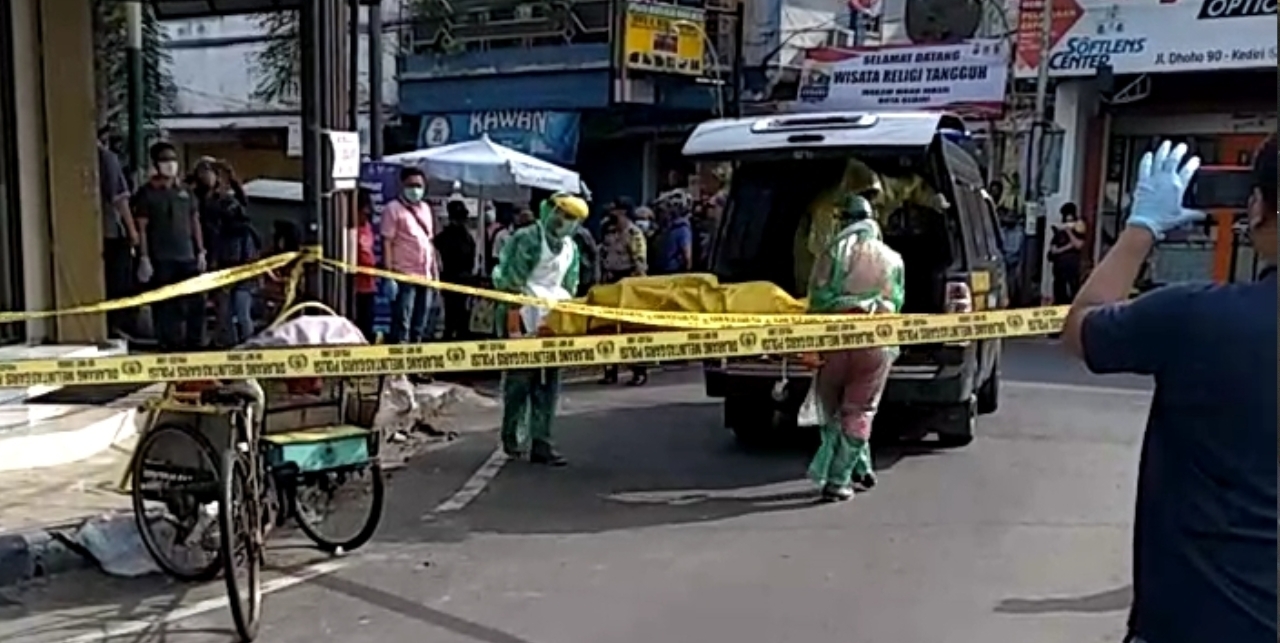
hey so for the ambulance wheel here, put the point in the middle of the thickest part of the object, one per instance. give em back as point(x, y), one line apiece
point(955, 425)
point(751, 420)
point(989, 393)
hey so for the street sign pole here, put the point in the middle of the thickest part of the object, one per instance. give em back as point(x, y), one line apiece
point(1036, 140)
point(137, 88)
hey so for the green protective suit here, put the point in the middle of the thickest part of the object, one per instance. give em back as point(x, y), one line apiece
point(855, 273)
point(539, 260)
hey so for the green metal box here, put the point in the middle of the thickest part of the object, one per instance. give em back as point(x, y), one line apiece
point(319, 449)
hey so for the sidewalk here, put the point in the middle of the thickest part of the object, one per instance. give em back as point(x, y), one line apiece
point(53, 518)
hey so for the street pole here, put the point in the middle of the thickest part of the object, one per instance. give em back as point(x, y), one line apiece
point(133, 59)
point(375, 80)
point(739, 30)
point(313, 148)
point(353, 61)
point(1042, 101)
point(1035, 148)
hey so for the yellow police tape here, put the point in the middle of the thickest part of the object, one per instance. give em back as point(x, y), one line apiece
point(298, 261)
point(854, 332)
point(193, 286)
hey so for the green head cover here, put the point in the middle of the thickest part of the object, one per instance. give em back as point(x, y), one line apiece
point(560, 214)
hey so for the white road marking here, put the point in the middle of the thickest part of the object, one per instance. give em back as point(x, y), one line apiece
point(137, 626)
point(1076, 388)
point(475, 485)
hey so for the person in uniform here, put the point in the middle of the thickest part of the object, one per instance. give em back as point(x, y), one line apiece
point(856, 273)
point(539, 260)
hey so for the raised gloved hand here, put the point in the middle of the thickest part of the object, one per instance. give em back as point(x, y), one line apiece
point(1162, 180)
point(145, 271)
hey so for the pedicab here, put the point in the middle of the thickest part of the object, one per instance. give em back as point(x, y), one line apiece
point(220, 464)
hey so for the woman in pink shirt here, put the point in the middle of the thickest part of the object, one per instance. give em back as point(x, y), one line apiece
point(366, 286)
point(407, 229)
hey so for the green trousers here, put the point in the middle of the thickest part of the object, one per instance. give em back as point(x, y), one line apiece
point(529, 399)
point(839, 457)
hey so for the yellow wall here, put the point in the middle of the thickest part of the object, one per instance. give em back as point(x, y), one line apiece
point(58, 173)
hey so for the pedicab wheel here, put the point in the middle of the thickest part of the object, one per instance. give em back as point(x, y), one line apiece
point(240, 518)
point(323, 503)
point(175, 466)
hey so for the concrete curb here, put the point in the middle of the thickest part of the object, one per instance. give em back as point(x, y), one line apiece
point(41, 552)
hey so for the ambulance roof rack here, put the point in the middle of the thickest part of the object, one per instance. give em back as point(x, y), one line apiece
point(830, 130)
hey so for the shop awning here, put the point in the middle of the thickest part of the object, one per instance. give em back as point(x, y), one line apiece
point(180, 9)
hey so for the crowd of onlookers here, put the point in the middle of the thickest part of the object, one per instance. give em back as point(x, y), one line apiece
point(171, 227)
point(174, 226)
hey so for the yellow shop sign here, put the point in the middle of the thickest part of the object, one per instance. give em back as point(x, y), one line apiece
point(665, 38)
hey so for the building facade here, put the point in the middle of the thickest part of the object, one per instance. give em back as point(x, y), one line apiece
point(49, 210)
point(221, 109)
point(1126, 76)
point(607, 87)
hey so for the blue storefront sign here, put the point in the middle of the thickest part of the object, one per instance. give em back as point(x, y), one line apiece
point(382, 180)
point(548, 135)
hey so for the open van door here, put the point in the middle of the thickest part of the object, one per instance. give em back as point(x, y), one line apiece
point(782, 163)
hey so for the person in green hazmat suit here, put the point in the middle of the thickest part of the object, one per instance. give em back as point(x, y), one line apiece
point(539, 260)
point(855, 273)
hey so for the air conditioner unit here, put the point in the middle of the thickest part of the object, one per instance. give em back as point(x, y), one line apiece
point(840, 38)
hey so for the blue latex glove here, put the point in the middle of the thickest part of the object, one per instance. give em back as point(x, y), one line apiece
point(1162, 180)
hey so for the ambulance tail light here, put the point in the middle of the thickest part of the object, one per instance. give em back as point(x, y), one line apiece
point(959, 298)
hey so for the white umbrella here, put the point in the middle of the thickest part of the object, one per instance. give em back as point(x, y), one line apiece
point(487, 170)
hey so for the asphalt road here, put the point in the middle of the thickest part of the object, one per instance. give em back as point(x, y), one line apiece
point(662, 530)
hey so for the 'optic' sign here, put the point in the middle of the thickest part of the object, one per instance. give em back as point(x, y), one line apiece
point(1083, 52)
point(1236, 8)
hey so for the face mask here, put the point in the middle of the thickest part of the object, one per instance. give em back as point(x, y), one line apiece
point(644, 225)
point(414, 194)
point(167, 169)
point(561, 228)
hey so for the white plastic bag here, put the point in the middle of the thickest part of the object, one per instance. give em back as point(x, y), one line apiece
point(810, 414)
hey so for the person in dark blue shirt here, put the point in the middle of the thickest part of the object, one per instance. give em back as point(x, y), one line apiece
point(1205, 563)
point(676, 249)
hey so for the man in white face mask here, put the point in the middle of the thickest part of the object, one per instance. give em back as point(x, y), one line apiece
point(171, 249)
point(408, 228)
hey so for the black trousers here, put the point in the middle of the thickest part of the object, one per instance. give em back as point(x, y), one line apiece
point(457, 320)
point(364, 314)
point(1066, 281)
point(120, 280)
point(180, 322)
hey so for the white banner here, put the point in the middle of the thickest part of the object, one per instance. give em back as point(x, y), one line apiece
point(969, 77)
point(346, 159)
point(1150, 36)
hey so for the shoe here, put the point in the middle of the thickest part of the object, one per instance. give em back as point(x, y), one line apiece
point(515, 453)
point(837, 493)
point(638, 379)
point(544, 453)
point(866, 481)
